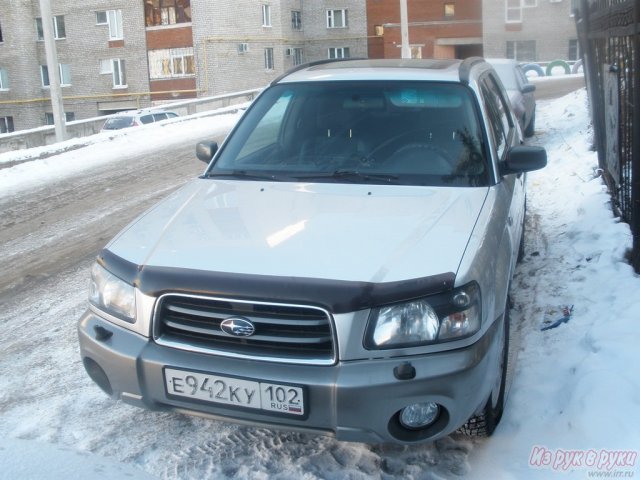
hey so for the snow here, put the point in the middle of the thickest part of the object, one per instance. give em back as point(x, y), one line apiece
point(573, 408)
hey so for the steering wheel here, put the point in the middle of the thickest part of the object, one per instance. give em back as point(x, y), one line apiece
point(421, 158)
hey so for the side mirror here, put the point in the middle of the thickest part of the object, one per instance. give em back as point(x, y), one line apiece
point(524, 158)
point(528, 88)
point(206, 150)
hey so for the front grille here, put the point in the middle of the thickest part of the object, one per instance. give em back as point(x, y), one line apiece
point(285, 333)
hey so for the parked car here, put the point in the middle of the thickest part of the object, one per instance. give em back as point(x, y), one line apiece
point(342, 266)
point(133, 118)
point(520, 90)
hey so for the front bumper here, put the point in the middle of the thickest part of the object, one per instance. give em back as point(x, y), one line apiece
point(357, 400)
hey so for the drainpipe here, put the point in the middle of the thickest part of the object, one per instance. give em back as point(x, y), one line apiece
point(54, 71)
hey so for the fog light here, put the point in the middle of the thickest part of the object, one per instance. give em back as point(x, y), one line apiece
point(98, 375)
point(419, 415)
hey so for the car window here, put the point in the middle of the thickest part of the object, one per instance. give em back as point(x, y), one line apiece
point(118, 123)
point(420, 133)
point(522, 78)
point(171, 115)
point(497, 111)
point(145, 119)
point(159, 116)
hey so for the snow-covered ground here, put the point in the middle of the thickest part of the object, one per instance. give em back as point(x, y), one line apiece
point(574, 406)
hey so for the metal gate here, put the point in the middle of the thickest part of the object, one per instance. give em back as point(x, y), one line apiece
point(609, 36)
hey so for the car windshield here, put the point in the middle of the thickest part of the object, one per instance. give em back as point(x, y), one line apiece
point(410, 133)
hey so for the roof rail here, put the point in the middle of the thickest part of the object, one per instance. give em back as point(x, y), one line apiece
point(312, 64)
point(465, 67)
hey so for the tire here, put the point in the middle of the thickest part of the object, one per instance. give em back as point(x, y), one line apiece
point(558, 63)
point(521, 251)
point(533, 67)
point(576, 67)
point(531, 126)
point(485, 423)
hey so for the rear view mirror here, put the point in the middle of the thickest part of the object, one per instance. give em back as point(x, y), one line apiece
point(206, 150)
point(523, 158)
point(528, 88)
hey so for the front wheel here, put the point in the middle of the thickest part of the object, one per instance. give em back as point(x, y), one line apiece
point(484, 423)
point(531, 126)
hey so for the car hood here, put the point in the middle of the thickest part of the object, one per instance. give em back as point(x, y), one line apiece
point(369, 233)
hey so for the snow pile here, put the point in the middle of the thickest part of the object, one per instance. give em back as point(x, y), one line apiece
point(106, 147)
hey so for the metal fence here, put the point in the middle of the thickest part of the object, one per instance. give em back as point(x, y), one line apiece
point(609, 36)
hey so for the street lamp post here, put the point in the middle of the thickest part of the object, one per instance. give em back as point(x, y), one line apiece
point(404, 30)
point(54, 71)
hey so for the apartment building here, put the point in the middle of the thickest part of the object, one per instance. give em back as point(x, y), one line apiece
point(101, 54)
point(123, 54)
point(248, 43)
point(437, 29)
point(530, 30)
point(169, 43)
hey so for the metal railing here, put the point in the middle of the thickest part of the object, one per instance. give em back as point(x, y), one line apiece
point(45, 135)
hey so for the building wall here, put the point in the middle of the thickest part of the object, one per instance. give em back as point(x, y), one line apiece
point(549, 24)
point(84, 46)
point(17, 52)
point(432, 34)
point(218, 30)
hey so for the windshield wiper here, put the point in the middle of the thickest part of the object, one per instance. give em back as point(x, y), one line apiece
point(243, 174)
point(353, 175)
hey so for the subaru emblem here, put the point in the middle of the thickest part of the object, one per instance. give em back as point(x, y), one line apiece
point(238, 327)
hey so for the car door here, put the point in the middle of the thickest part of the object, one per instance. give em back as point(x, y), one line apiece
point(505, 134)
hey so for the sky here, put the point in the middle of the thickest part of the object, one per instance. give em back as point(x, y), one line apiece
point(573, 410)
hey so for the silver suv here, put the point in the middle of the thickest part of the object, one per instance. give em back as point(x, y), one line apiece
point(342, 266)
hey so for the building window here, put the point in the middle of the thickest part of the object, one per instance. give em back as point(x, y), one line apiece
point(68, 117)
point(574, 50)
point(243, 47)
point(167, 12)
point(65, 75)
point(524, 50)
point(296, 54)
point(115, 68)
point(339, 52)
point(378, 30)
point(514, 11)
point(1, 34)
point(449, 10)
point(4, 79)
point(266, 15)
point(296, 20)
point(171, 63)
point(268, 59)
point(101, 18)
point(529, 3)
point(58, 27)
point(6, 124)
point(337, 18)
point(112, 18)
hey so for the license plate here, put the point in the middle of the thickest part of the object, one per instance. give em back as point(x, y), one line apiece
point(240, 392)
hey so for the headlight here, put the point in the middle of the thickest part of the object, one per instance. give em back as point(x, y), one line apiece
point(443, 317)
point(109, 293)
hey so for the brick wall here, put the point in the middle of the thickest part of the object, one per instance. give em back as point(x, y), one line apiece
point(550, 24)
point(429, 29)
point(84, 45)
point(218, 30)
